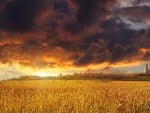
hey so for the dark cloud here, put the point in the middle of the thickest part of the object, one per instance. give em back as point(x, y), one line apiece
point(146, 56)
point(117, 31)
point(116, 43)
point(87, 11)
point(90, 10)
point(124, 53)
point(42, 33)
point(135, 13)
point(19, 15)
point(143, 39)
point(61, 6)
point(73, 27)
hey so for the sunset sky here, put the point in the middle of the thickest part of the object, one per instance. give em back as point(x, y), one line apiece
point(67, 36)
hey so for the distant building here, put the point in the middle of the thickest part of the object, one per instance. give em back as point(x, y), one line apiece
point(146, 70)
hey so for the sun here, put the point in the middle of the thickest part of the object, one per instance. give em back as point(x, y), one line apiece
point(41, 74)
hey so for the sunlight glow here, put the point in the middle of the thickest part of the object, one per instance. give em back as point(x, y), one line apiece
point(41, 74)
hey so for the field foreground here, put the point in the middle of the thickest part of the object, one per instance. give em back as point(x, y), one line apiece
point(74, 96)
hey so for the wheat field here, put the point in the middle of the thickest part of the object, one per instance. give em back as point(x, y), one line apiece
point(74, 96)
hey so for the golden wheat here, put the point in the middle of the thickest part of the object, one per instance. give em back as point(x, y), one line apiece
point(74, 96)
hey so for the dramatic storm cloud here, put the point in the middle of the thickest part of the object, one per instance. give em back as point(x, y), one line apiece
point(19, 15)
point(73, 33)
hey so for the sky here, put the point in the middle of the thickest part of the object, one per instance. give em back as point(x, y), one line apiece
point(67, 36)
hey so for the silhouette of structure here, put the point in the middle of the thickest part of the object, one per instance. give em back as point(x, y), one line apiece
point(146, 70)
